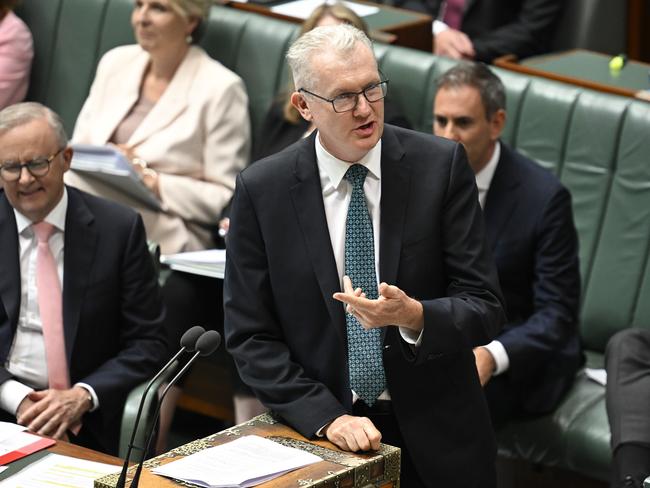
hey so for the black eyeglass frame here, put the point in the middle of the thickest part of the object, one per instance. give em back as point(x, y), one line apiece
point(29, 165)
point(383, 84)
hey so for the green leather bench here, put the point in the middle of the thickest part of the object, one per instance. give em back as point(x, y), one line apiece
point(597, 144)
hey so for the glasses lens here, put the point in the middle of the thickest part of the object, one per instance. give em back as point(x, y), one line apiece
point(376, 92)
point(38, 166)
point(345, 102)
point(10, 171)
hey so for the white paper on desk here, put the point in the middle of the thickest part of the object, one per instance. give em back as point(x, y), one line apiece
point(16, 440)
point(246, 461)
point(302, 9)
point(8, 429)
point(211, 262)
point(60, 471)
point(597, 375)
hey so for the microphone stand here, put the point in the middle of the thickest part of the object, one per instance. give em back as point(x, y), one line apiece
point(188, 336)
point(206, 345)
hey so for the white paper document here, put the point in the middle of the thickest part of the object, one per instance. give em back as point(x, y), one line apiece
point(246, 461)
point(301, 9)
point(55, 470)
point(16, 440)
point(109, 165)
point(597, 375)
point(211, 262)
point(7, 429)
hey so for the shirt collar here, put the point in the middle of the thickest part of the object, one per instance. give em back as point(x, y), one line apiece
point(484, 177)
point(335, 168)
point(56, 217)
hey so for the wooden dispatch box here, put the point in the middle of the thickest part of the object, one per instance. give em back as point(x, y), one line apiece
point(339, 469)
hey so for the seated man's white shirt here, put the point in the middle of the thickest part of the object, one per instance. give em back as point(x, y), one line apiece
point(26, 359)
point(483, 182)
point(438, 26)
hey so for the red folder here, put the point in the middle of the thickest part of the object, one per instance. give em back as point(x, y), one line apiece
point(38, 444)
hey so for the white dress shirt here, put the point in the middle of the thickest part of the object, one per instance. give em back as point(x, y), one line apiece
point(26, 359)
point(483, 182)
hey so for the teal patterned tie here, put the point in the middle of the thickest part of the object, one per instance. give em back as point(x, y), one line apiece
point(364, 346)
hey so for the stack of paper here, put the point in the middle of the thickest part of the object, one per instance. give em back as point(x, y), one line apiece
point(109, 165)
point(211, 262)
point(247, 461)
point(55, 470)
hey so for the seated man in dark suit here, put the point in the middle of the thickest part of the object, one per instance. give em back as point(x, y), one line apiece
point(529, 222)
point(80, 310)
point(483, 30)
point(627, 360)
point(391, 217)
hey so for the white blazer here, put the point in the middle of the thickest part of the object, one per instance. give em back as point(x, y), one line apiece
point(197, 137)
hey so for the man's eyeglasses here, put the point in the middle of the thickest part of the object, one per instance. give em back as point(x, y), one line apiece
point(348, 101)
point(11, 170)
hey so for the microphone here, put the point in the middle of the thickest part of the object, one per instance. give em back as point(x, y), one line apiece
point(188, 343)
point(205, 345)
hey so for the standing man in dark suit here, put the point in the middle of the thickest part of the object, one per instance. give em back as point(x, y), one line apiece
point(483, 30)
point(529, 222)
point(80, 311)
point(391, 217)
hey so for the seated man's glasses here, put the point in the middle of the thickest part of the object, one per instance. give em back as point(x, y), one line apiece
point(348, 101)
point(11, 170)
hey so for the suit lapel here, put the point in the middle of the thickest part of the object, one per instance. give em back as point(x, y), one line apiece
point(79, 254)
point(499, 203)
point(395, 181)
point(9, 267)
point(172, 102)
point(308, 203)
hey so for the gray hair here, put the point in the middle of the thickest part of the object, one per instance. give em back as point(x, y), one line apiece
point(479, 76)
point(22, 113)
point(342, 39)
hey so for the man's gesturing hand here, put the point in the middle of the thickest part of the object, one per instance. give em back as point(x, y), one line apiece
point(393, 307)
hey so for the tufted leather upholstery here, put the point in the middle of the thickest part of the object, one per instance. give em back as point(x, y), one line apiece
point(597, 144)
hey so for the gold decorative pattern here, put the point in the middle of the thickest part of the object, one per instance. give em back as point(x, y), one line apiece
point(368, 470)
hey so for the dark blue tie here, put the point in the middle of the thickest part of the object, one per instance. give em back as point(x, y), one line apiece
point(364, 346)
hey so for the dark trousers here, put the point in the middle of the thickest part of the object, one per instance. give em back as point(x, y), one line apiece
point(627, 360)
point(381, 414)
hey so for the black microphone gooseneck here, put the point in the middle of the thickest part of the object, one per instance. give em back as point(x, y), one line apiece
point(205, 345)
point(188, 344)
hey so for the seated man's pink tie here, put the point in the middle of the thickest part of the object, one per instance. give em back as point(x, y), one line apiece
point(50, 301)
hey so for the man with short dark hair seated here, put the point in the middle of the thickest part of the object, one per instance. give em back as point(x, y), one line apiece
point(80, 309)
point(529, 222)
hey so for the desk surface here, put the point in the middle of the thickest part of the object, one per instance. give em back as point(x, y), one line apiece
point(338, 468)
point(585, 68)
point(403, 27)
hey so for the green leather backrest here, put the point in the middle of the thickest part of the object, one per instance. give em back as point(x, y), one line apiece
point(598, 144)
point(589, 162)
point(617, 293)
point(543, 122)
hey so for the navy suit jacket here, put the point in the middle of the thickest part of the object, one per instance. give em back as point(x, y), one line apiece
point(288, 335)
point(112, 310)
point(530, 230)
point(498, 27)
